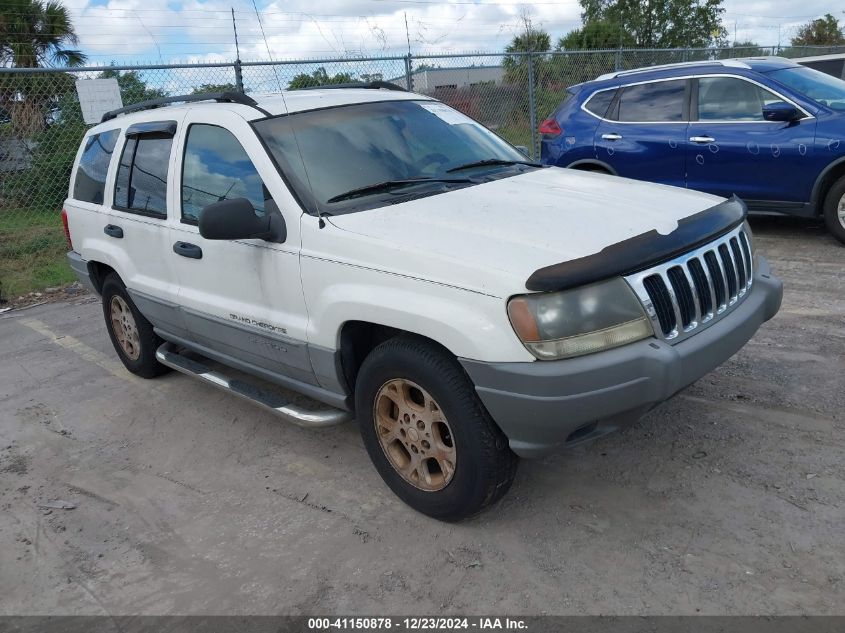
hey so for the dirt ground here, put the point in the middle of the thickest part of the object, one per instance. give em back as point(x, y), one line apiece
point(726, 500)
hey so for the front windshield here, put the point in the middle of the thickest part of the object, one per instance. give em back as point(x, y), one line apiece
point(327, 153)
point(825, 89)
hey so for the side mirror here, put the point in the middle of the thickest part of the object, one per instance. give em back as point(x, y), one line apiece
point(235, 219)
point(523, 150)
point(781, 111)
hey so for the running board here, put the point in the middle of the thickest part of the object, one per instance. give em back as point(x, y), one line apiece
point(168, 355)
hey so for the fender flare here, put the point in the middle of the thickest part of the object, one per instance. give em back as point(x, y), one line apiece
point(816, 199)
point(595, 163)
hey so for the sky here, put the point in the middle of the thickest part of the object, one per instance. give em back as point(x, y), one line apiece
point(152, 31)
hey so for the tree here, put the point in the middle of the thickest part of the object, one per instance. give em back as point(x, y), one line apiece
point(824, 31)
point(530, 39)
point(33, 34)
point(597, 34)
point(215, 88)
point(661, 23)
point(744, 49)
point(318, 78)
point(132, 88)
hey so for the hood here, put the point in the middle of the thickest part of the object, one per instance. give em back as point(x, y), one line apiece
point(491, 237)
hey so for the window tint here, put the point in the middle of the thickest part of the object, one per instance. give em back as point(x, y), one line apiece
point(93, 167)
point(731, 99)
point(142, 175)
point(215, 168)
point(600, 102)
point(658, 101)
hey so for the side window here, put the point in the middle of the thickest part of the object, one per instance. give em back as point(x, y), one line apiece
point(600, 102)
point(652, 102)
point(216, 168)
point(90, 179)
point(141, 185)
point(731, 99)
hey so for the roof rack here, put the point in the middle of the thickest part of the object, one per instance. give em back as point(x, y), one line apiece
point(371, 85)
point(224, 97)
point(733, 63)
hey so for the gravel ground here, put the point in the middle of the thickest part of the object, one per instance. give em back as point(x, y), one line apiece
point(728, 499)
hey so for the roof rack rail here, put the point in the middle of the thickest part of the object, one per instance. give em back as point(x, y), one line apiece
point(733, 63)
point(225, 97)
point(371, 85)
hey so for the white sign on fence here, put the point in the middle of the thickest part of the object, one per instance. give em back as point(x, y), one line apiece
point(96, 97)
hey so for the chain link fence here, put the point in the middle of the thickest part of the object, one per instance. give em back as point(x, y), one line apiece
point(41, 121)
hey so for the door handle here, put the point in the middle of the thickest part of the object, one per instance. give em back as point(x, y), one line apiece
point(113, 231)
point(187, 250)
point(612, 136)
point(702, 139)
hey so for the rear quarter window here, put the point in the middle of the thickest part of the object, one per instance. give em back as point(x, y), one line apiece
point(599, 103)
point(90, 181)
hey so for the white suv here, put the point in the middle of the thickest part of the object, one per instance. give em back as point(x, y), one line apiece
point(402, 265)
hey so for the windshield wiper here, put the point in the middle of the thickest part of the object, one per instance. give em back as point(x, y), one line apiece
point(389, 185)
point(492, 161)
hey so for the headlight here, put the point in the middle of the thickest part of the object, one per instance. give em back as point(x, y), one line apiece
point(581, 321)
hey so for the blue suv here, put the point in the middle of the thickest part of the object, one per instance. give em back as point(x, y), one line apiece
point(768, 130)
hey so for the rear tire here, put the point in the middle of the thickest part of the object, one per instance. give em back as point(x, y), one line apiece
point(131, 334)
point(427, 433)
point(834, 210)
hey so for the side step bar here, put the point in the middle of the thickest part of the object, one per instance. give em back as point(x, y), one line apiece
point(168, 355)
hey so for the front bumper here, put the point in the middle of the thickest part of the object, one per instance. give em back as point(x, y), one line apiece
point(544, 405)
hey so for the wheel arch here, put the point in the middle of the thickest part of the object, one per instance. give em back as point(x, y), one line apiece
point(99, 271)
point(358, 338)
point(829, 175)
point(592, 164)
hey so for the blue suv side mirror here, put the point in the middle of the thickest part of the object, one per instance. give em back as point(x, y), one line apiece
point(781, 111)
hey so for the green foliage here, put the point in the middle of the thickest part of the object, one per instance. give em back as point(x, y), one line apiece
point(132, 87)
point(35, 33)
point(318, 78)
point(215, 88)
point(822, 32)
point(661, 23)
point(596, 34)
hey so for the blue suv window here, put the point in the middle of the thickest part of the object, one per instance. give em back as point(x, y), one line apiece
point(600, 102)
point(731, 99)
point(656, 101)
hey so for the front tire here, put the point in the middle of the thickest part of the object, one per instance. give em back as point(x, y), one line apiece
point(427, 433)
point(131, 334)
point(834, 210)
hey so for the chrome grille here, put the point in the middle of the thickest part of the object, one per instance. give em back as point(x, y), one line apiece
point(690, 292)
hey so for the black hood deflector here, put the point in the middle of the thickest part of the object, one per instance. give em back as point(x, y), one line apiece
point(642, 251)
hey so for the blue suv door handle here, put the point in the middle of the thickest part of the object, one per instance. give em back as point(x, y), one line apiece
point(611, 137)
point(702, 139)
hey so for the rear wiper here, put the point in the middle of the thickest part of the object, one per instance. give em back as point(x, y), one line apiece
point(389, 185)
point(492, 161)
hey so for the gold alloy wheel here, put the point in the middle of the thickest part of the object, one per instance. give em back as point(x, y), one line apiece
point(123, 325)
point(414, 435)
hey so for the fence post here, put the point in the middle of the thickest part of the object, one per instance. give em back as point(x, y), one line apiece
point(532, 105)
point(409, 77)
point(617, 60)
point(239, 80)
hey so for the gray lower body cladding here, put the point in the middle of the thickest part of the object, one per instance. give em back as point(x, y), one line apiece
point(80, 268)
point(543, 406)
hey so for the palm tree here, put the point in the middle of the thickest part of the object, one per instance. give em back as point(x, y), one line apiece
point(34, 34)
